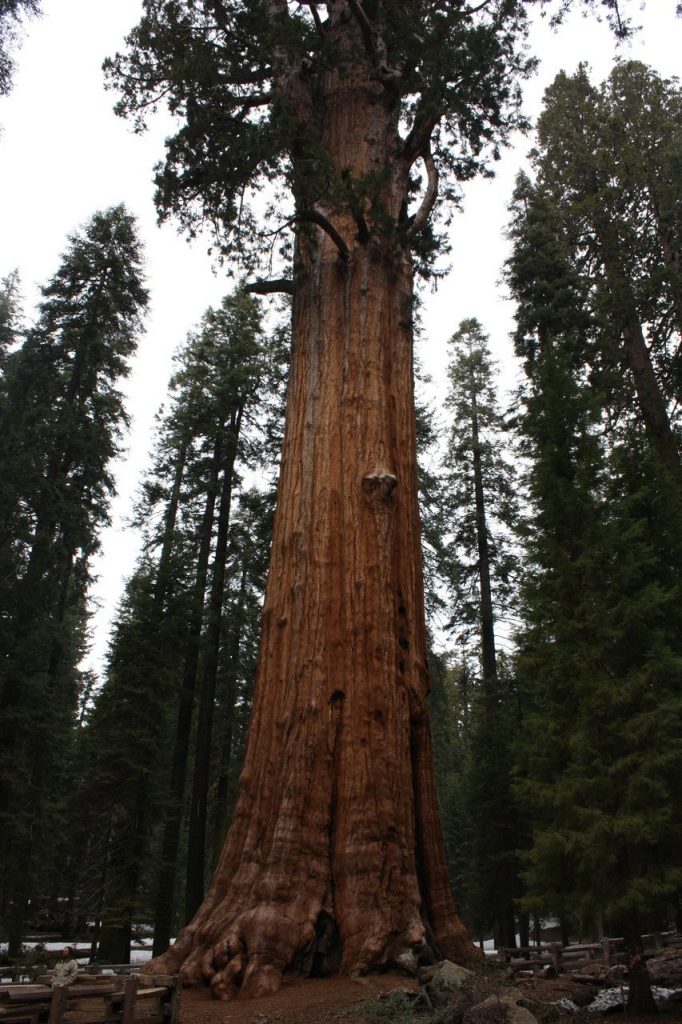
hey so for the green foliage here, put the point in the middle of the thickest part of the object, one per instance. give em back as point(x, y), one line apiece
point(224, 71)
point(395, 1007)
point(11, 13)
point(479, 517)
point(222, 420)
point(61, 416)
point(599, 656)
point(599, 231)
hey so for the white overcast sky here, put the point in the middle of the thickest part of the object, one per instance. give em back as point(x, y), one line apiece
point(63, 155)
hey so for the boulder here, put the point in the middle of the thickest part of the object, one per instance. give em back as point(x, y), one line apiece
point(407, 963)
point(666, 970)
point(446, 980)
point(502, 1009)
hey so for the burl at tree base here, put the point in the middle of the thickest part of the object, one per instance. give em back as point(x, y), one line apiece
point(368, 112)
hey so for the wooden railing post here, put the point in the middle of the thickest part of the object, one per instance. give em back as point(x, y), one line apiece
point(57, 1005)
point(174, 1001)
point(129, 998)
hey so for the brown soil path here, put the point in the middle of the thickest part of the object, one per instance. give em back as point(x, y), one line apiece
point(314, 1001)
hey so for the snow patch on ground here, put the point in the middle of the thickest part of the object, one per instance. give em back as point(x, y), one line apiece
point(610, 998)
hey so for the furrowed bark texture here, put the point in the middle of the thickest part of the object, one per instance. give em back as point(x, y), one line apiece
point(335, 839)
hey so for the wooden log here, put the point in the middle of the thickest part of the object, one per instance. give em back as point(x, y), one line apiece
point(24, 994)
point(20, 1012)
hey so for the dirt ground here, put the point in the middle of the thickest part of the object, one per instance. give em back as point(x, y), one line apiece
point(338, 1001)
point(314, 1001)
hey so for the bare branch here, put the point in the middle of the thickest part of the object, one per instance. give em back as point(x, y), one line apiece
point(424, 212)
point(418, 141)
point(474, 10)
point(316, 16)
point(280, 284)
point(364, 24)
point(315, 217)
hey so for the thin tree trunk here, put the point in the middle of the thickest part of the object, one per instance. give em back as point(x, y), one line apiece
point(222, 794)
point(640, 996)
point(165, 903)
point(488, 653)
point(163, 579)
point(636, 358)
point(196, 848)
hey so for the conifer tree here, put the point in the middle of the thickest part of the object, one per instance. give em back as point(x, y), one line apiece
point(11, 13)
point(605, 160)
point(480, 488)
point(167, 641)
point(599, 651)
point(63, 415)
point(248, 559)
point(369, 115)
point(479, 484)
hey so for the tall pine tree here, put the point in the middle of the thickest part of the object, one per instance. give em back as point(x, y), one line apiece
point(62, 419)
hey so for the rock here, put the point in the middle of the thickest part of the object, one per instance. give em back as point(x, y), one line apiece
point(499, 1010)
point(427, 972)
point(666, 970)
point(407, 963)
point(446, 980)
point(583, 995)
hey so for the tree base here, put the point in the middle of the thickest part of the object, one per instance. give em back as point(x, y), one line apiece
point(231, 971)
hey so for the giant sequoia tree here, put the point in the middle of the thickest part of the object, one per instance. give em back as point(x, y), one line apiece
point(367, 113)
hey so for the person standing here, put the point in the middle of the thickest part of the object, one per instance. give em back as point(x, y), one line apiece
point(66, 969)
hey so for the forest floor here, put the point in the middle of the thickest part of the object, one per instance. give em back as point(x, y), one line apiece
point(363, 1001)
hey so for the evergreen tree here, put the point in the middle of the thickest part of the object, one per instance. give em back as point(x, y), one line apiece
point(606, 161)
point(480, 496)
point(248, 560)
point(11, 12)
point(479, 486)
point(62, 418)
point(599, 651)
point(10, 315)
point(167, 642)
point(343, 103)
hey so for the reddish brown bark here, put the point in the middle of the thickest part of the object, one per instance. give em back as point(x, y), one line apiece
point(336, 812)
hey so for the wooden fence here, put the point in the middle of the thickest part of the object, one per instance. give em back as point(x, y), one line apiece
point(576, 957)
point(93, 999)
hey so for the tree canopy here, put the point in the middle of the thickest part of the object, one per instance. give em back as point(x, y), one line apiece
point(243, 77)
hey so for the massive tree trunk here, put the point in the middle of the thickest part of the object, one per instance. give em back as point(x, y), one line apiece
point(336, 817)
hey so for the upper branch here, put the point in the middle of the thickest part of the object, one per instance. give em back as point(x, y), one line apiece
point(424, 212)
point(263, 287)
point(365, 27)
point(316, 16)
point(418, 141)
point(315, 217)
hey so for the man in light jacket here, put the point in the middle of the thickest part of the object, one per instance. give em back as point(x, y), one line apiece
point(66, 969)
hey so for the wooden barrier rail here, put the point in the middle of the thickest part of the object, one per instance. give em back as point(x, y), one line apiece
point(137, 999)
point(574, 957)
